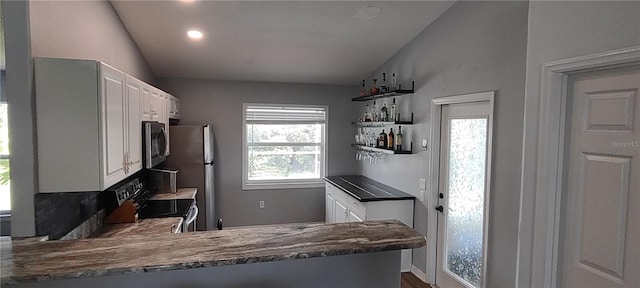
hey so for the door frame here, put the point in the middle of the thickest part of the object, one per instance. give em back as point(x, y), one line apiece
point(543, 161)
point(432, 198)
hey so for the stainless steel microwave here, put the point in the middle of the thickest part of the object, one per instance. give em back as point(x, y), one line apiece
point(154, 138)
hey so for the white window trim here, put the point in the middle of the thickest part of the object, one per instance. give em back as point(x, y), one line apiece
point(284, 183)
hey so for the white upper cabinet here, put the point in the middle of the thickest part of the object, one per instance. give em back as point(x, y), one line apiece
point(174, 107)
point(89, 124)
point(157, 109)
point(164, 99)
point(176, 112)
point(147, 109)
point(134, 124)
point(113, 108)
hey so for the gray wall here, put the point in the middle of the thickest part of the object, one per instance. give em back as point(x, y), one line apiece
point(560, 30)
point(473, 47)
point(220, 103)
point(85, 29)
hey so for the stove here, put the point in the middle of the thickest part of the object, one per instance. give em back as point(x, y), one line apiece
point(135, 191)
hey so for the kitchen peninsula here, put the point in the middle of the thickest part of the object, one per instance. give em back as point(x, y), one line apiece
point(364, 254)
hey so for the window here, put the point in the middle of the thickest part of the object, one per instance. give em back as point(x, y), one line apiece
point(5, 195)
point(284, 146)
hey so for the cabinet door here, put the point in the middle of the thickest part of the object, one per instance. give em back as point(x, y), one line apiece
point(134, 125)
point(176, 111)
point(329, 208)
point(146, 103)
point(354, 217)
point(155, 107)
point(172, 106)
point(165, 119)
point(341, 214)
point(113, 108)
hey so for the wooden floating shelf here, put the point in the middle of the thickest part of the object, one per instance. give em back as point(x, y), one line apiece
point(382, 150)
point(387, 94)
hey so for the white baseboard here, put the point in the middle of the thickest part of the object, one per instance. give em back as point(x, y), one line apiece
point(421, 275)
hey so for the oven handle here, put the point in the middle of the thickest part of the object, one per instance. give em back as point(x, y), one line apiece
point(194, 214)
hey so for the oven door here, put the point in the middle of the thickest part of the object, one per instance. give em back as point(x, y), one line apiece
point(155, 143)
point(189, 224)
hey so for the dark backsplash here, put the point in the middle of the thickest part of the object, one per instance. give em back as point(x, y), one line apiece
point(59, 213)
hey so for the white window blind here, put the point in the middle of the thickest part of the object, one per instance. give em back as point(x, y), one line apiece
point(284, 114)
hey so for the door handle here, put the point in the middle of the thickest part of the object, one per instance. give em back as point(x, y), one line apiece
point(440, 208)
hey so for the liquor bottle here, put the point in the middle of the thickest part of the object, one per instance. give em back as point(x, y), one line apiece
point(374, 112)
point(399, 139)
point(392, 111)
point(384, 113)
point(367, 114)
point(382, 140)
point(363, 91)
point(383, 85)
point(390, 140)
point(394, 82)
point(374, 88)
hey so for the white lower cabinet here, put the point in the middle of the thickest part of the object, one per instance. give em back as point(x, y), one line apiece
point(342, 207)
point(341, 212)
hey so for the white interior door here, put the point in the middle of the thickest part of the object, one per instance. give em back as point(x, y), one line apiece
point(601, 238)
point(463, 194)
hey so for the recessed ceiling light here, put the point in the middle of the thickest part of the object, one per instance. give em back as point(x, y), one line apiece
point(194, 34)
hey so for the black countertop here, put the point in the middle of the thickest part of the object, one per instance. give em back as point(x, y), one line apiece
point(366, 189)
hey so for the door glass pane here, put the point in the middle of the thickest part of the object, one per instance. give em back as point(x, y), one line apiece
point(466, 187)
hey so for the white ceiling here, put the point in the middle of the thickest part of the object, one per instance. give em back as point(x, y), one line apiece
point(317, 42)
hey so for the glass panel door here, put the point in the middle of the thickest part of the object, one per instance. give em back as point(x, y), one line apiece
point(463, 189)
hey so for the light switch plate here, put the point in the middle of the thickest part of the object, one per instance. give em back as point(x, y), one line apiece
point(424, 144)
point(422, 195)
point(423, 183)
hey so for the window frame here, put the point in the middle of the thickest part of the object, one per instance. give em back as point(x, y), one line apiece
point(5, 214)
point(283, 183)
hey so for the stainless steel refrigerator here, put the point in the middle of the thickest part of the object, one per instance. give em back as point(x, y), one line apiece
point(192, 154)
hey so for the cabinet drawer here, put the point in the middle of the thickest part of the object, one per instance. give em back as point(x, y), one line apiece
point(359, 207)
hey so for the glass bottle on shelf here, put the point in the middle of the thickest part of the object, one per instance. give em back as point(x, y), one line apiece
point(391, 140)
point(399, 139)
point(384, 114)
point(367, 114)
point(383, 85)
point(394, 82)
point(373, 140)
point(363, 90)
point(374, 88)
point(393, 116)
point(374, 112)
point(382, 140)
